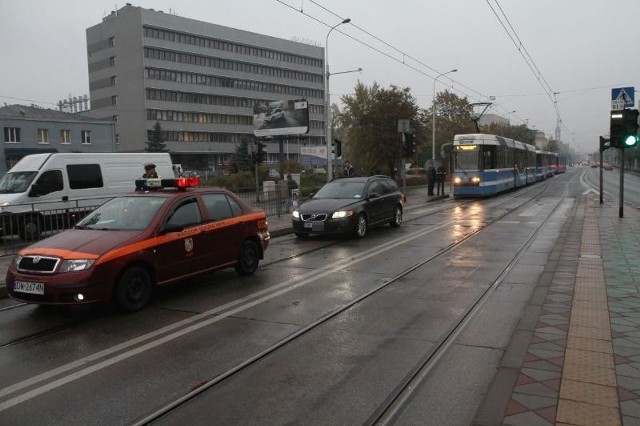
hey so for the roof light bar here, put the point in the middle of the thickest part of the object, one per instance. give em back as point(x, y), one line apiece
point(157, 183)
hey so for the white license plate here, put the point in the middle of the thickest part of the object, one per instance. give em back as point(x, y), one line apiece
point(28, 287)
point(308, 225)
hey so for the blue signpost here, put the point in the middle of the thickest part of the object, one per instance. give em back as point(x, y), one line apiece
point(621, 98)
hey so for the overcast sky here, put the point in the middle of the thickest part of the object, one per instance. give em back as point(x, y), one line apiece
point(581, 49)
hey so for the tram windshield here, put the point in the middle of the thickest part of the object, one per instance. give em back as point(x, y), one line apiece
point(467, 157)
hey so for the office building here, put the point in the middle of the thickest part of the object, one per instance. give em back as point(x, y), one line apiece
point(34, 130)
point(199, 80)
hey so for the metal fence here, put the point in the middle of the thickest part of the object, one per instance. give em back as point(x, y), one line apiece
point(37, 221)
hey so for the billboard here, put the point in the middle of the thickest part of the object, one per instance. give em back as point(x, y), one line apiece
point(281, 118)
point(313, 156)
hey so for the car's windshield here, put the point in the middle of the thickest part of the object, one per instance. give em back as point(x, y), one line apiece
point(16, 182)
point(123, 213)
point(341, 189)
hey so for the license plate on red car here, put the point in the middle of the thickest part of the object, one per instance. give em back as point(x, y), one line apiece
point(28, 287)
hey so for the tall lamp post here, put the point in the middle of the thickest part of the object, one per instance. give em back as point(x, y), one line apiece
point(433, 119)
point(328, 100)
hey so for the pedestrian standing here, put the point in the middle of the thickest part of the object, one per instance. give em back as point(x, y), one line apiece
point(292, 185)
point(149, 171)
point(431, 180)
point(348, 170)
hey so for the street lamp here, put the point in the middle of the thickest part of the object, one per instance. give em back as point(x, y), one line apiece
point(433, 120)
point(328, 100)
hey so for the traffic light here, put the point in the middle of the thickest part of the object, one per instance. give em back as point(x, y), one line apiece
point(630, 131)
point(624, 128)
point(604, 143)
point(338, 144)
point(261, 155)
point(408, 145)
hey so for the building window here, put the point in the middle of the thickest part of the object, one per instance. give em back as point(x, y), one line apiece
point(117, 139)
point(86, 137)
point(114, 100)
point(114, 118)
point(12, 134)
point(65, 136)
point(43, 135)
point(112, 61)
point(112, 41)
point(113, 80)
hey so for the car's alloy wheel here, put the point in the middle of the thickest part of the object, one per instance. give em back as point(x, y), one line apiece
point(361, 226)
point(397, 218)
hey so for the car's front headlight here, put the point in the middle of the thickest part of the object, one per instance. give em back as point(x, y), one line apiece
point(295, 214)
point(75, 265)
point(16, 260)
point(342, 214)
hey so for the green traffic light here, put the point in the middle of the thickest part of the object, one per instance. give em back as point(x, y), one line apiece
point(630, 140)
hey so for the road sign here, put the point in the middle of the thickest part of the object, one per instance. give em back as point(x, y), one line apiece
point(621, 98)
point(403, 125)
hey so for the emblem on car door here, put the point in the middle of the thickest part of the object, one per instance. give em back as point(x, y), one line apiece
point(188, 245)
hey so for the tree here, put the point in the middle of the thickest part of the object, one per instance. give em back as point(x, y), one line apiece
point(155, 142)
point(369, 125)
point(453, 116)
point(241, 158)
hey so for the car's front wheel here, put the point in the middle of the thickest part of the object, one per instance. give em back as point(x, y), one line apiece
point(361, 226)
point(248, 258)
point(134, 288)
point(397, 218)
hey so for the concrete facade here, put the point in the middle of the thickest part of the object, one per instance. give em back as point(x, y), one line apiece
point(32, 130)
point(200, 81)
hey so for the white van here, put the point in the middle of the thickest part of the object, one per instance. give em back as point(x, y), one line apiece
point(48, 192)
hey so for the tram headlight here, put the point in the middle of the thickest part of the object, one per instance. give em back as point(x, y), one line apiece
point(457, 180)
point(475, 179)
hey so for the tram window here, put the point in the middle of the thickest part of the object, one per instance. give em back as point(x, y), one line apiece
point(467, 158)
point(488, 157)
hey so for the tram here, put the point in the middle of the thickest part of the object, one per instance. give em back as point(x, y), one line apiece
point(546, 164)
point(485, 165)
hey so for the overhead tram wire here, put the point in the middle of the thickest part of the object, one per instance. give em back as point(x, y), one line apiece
point(525, 55)
point(482, 97)
point(404, 53)
point(402, 62)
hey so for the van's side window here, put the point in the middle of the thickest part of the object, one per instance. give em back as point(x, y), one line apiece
point(50, 181)
point(83, 176)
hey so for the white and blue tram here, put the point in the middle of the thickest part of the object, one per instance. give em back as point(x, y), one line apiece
point(488, 164)
point(546, 164)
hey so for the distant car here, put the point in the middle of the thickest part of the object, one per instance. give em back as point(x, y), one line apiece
point(275, 115)
point(139, 241)
point(607, 166)
point(350, 206)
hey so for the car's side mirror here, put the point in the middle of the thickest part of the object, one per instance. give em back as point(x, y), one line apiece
point(170, 227)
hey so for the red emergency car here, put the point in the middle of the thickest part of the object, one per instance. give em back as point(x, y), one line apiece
point(166, 231)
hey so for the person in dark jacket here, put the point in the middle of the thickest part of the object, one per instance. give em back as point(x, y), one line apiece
point(149, 171)
point(348, 170)
point(431, 176)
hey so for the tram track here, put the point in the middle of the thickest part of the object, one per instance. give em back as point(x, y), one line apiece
point(401, 395)
point(122, 351)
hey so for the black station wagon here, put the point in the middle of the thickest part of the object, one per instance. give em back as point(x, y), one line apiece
point(350, 206)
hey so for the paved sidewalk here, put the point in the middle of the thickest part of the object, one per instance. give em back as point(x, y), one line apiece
point(581, 362)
